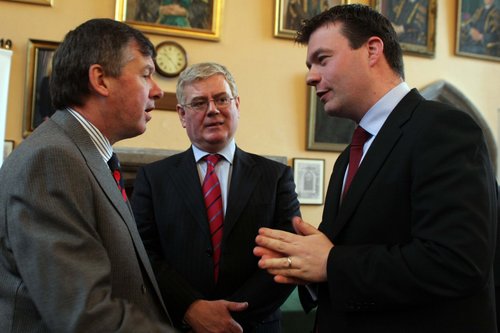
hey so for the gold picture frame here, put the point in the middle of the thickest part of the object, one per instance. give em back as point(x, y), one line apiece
point(326, 133)
point(417, 37)
point(34, 2)
point(37, 105)
point(289, 13)
point(477, 37)
point(202, 20)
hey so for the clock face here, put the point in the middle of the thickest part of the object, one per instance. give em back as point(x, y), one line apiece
point(171, 59)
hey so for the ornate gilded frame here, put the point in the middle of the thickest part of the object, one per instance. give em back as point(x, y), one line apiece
point(281, 27)
point(127, 11)
point(39, 60)
point(425, 44)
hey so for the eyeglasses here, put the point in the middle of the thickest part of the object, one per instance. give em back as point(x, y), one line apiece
point(201, 105)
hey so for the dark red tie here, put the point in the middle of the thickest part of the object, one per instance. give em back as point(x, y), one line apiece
point(359, 138)
point(213, 204)
point(114, 165)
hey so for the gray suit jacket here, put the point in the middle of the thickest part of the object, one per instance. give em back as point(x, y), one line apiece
point(71, 259)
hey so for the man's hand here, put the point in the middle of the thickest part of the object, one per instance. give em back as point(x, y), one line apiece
point(214, 316)
point(294, 258)
point(476, 35)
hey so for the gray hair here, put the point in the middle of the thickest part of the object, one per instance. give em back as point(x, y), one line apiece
point(203, 71)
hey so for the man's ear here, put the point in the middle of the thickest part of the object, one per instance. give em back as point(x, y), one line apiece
point(182, 114)
point(97, 80)
point(375, 49)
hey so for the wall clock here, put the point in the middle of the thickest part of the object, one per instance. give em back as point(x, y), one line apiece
point(171, 59)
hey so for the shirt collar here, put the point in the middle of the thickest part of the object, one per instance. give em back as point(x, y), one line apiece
point(376, 116)
point(100, 141)
point(227, 152)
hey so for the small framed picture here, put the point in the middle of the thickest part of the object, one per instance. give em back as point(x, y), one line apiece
point(309, 175)
point(478, 29)
point(38, 104)
point(183, 18)
point(8, 147)
point(326, 133)
point(414, 23)
point(289, 14)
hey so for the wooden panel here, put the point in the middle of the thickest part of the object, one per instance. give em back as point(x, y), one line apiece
point(167, 102)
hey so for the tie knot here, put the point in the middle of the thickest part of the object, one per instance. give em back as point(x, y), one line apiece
point(359, 136)
point(113, 163)
point(213, 159)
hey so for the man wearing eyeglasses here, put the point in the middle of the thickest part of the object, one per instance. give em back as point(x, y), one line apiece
point(213, 284)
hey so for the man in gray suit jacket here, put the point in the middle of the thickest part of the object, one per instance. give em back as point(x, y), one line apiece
point(205, 292)
point(71, 259)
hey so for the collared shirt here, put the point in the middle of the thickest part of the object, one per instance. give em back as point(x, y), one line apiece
point(223, 169)
point(374, 119)
point(100, 141)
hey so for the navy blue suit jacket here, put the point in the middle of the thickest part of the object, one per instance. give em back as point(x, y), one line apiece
point(415, 235)
point(171, 217)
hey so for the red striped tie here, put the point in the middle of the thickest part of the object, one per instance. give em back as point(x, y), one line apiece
point(114, 165)
point(213, 204)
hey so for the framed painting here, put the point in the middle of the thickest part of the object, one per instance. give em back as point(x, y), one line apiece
point(414, 23)
point(290, 13)
point(35, 2)
point(309, 175)
point(37, 103)
point(478, 29)
point(200, 19)
point(326, 133)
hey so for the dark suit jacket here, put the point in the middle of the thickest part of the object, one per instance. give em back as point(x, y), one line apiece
point(171, 217)
point(415, 235)
point(71, 259)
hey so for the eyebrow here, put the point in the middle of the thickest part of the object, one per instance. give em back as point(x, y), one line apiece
point(149, 69)
point(215, 96)
point(314, 56)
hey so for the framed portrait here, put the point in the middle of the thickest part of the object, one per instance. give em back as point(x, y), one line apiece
point(37, 101)
point(309, 175)
point(200, 19)
point(414, 23)
point(326, 133)
point(289, 14)
point(35, 2)
point(478, 29)
point(8, 147)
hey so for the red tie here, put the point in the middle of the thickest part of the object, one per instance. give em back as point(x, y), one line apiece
point(114, 165)
point(359, 138)
point(213, 204)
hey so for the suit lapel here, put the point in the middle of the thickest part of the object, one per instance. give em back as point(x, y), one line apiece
point(241, 187)
point(102, 174)
point(332, 202)
point(187, 184)
point(374, 159)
